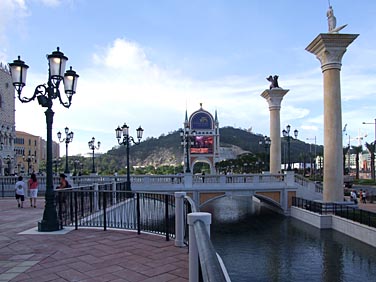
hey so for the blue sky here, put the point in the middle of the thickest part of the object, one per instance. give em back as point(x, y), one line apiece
point(145, 62)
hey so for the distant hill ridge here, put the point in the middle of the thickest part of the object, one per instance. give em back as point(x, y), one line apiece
point(167, 149)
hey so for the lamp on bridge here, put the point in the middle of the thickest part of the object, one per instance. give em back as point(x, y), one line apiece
point(92, 147)
point(127, 139)
point(286, 133)
point(28, 159)
point(68, 138)
point(266, 142)
point(186, 142)
point(45, 94)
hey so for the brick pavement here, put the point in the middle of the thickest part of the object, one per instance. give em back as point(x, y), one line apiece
point(84, 254)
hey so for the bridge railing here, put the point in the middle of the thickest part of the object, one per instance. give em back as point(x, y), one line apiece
point(109, 206)
point(341, 210)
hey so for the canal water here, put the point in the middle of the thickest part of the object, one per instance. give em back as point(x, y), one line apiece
point(259, 245)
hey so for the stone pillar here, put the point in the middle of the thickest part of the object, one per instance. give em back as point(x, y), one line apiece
point(329, 49)
point(274, 97)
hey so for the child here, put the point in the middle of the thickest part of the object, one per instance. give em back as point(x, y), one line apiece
point(20, 188)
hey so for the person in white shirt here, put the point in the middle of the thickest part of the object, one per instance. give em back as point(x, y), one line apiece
point(20, 188)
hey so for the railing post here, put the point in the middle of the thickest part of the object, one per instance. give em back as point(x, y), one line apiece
point(193, 252)
point(76, 210)
point(188, 181)
point(96, 189)
point(114, 192)
point(179, 218)
point(138, 212)
point(104, 210)
point(167, 225)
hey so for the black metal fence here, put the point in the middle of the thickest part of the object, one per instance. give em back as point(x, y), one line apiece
point(87, 207)
point(345, 211)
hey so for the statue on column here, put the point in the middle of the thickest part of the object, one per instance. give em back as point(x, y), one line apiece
point(332, 21)
point(273, 81)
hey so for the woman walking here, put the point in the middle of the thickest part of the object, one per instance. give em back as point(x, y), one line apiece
point(33, 190)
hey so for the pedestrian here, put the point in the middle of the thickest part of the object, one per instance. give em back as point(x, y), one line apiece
point(361, 195)
point(63, 182)
point(20, 189)
point(364, 197)
point(32, 183)
point(353, 196)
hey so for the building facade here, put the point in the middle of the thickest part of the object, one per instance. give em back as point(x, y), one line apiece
point(203, 131)
point(31, 152)
point(7, 122)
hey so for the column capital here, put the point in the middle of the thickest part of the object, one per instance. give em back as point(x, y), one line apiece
point(329, 48)
point(274, 97)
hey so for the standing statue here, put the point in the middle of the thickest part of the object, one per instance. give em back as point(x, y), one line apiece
point(273, 81)
point(332, 21)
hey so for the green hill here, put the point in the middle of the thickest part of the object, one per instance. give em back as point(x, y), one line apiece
point(166, 150)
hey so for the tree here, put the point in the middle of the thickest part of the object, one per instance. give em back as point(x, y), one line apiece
point(358, 150)
point(371, 149)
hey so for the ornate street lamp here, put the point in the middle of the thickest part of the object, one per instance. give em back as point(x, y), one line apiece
point(92, 147)
point(187, 142)
point(124, 132)
point(266, 142)
point(28, 159)
point(313, 169)
point(56, 162)
point(286, 133)
point(76, 164)
point(45, 95)
point(68, 138)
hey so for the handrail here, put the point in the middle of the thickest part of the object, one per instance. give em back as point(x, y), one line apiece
point(210, 266)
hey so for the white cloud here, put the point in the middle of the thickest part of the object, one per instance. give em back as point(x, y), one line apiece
point(12, 15)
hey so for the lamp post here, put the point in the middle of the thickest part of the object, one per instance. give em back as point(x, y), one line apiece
point(310, 157)
point(286, 133)
point(56, 162)
point(127, 139)
point(92, 147)
point(374, 124)
point(28, 159)
point(45, 95)
point(76, 164)
point(266, 142)
point(68, 138)
point(186, 142)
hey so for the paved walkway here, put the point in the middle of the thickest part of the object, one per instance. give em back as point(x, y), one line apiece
point(82, 255)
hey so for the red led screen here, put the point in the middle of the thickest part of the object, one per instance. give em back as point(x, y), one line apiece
point(202, 145)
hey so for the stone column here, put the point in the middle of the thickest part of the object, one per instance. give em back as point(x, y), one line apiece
point(274, 97)
point(329, 49)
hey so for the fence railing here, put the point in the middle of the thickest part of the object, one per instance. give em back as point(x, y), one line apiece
point(110, 206)
point(345, 211)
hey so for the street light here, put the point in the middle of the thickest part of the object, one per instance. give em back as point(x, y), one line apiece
point(56, 162)
point(45, 95)
point(68, 138)
point(374, 124)
point(310, 157)
point(124, 132)
point(76, 164)
point(28, 159)
point(266, 142)
point(186, 142)
point(286, 133)
point(92, 146)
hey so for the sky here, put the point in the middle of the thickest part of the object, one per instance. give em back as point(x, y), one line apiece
point(147, 62)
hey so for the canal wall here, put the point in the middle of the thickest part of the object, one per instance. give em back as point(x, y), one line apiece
point(361, 232)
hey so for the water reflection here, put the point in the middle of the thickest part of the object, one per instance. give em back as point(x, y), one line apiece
point(265, 246)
